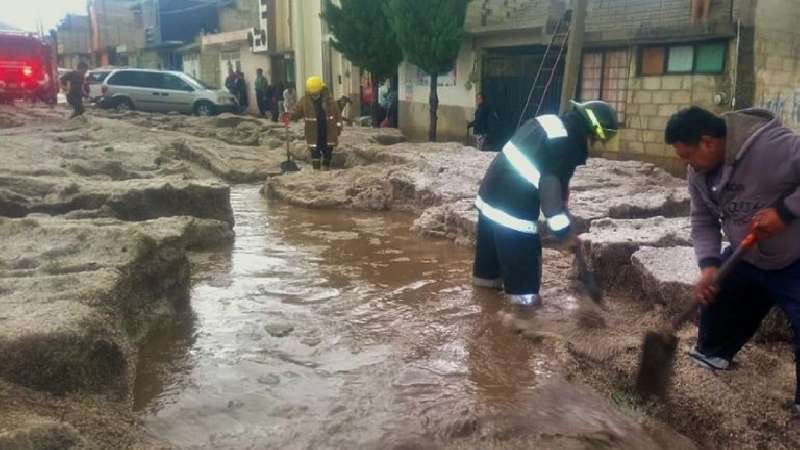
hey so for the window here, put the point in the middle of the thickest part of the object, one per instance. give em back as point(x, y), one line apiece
point(122, 78)
point(174, 83)
point(705, 57)
point(604, 76)
point(152, 80)
point(97, 77)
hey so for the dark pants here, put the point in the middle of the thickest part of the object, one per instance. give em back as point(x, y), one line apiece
point(744, 300)
point(514, 256)
point(321, 156)
point(263, 102)
point(275, 111)
point(76, 101)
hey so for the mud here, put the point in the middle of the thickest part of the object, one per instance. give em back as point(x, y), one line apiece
point(320, 328)
point(323, 330)
point(610, 243)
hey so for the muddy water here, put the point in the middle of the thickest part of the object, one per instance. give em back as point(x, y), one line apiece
point(334, 329)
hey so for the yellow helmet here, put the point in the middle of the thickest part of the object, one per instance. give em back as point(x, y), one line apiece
point(314, 85)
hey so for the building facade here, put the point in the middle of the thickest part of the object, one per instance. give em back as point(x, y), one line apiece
point(74, 40)
point(649, 58)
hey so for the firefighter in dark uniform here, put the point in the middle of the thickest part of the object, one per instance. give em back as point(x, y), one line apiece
point(532, 173)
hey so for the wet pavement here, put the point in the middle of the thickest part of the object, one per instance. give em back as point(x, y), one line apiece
point(336, 329)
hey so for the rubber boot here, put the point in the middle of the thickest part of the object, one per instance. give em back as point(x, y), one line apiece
point(497, 283)
point(316, 164)
point(528, 300)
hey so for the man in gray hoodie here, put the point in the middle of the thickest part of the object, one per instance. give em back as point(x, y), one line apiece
point(744, 171)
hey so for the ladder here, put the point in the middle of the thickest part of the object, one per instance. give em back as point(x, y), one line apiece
point(548, 66)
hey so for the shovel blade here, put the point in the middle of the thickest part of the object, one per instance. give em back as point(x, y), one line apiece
point(655, 367)
point(289, 166)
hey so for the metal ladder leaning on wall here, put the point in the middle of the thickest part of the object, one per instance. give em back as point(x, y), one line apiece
point(548, 66)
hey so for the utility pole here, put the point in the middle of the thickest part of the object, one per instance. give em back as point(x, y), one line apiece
point(574, 52)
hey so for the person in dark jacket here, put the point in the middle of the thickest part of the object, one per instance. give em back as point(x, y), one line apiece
point(744, 174)
point(74, 82)
point(230, 82)
point(275, 98)
point(480, 126)
point(262, 92)
point(241, 91)
point(531, 173)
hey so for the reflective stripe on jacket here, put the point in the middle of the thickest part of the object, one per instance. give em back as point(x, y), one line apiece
point(533, 172)
point(305, 110)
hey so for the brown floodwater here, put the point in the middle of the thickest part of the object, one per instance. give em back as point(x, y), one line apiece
point(339, 329)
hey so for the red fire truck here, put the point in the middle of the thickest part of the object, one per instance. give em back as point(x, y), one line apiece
point(27, 68)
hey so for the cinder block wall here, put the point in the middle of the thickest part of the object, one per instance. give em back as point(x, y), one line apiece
point(651, 101)
point(777, 71)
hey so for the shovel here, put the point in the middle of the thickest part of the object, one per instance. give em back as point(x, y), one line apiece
point(659, 347)
point(289, 165)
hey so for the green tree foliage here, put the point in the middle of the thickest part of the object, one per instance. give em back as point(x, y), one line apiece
point(430, 33)
point(362, 34)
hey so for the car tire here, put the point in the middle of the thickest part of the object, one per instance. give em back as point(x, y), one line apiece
point(204, 109)
point(123, 105)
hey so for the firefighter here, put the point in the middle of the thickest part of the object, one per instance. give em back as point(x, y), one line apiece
point(532, 173)
point(323, 122)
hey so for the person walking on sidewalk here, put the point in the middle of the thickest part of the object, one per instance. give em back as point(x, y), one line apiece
point(262, 92)
point(531, 174)
point(74, 82)
point(323, 122)
point(744, 172)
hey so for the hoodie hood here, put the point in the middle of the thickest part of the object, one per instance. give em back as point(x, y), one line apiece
point(742, 128)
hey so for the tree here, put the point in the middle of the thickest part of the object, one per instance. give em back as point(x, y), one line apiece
point(362, 34)
point(430, 32)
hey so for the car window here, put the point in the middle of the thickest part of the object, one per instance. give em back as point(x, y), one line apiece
point(174, 83)
point(153, 80)
point(97, 77)
point(123, 78)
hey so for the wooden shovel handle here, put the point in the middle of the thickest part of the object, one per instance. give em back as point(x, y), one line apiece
point(724, 272)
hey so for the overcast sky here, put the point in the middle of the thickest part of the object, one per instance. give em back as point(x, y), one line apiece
point(25, 14)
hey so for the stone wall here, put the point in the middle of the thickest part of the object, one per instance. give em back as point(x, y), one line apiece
point(777, 40)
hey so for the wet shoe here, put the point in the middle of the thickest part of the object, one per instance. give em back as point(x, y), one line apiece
point(527, 300)
point(497, 283)
point(709, 362)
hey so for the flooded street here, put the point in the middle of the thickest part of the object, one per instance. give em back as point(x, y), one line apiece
point(335, 329)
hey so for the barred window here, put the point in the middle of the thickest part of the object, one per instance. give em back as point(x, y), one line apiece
point(604, 76)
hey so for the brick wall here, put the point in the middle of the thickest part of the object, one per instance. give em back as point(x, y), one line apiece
point(651, 101)
point(777, 56)
point(647, 17)
point(485, 15)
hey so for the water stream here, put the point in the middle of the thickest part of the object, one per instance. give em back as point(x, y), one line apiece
point(336, 329)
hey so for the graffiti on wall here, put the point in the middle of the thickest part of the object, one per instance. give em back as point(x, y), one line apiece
point(787, 110)
point(776, 105)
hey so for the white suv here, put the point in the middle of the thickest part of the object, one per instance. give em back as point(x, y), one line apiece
point(164, 91)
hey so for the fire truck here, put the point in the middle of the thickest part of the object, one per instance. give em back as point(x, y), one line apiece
point(27, 68)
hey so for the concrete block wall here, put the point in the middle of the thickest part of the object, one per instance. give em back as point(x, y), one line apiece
point(643, 17)
point(777, 59)
point(507, 13)
point(651, 101)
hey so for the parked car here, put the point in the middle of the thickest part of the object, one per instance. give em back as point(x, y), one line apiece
point(163, 91)
point(94, 82)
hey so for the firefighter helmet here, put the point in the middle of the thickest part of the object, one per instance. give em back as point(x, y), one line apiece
point(314, 85)
point(600, 117)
